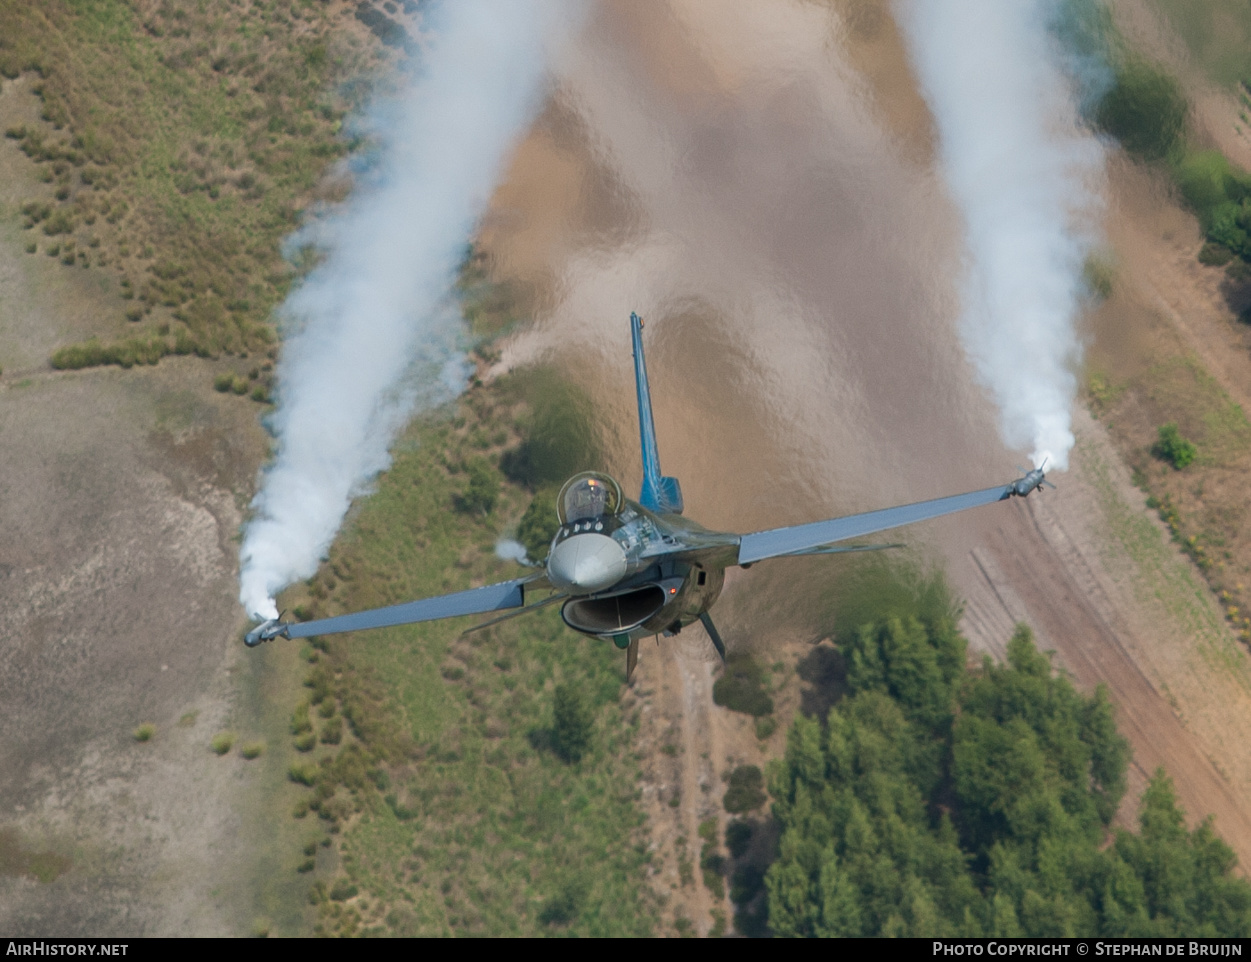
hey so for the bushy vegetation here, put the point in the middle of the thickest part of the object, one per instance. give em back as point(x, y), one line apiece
point(741, 687)
point(941, 802)
point(1170, 446)
point(572, 723)
point(744, 791)
point(449, 785)
point(125, 353)
point(483, 488)
point(539, 524)
point(178, 141)
point(1144, 109)
point(222, 742)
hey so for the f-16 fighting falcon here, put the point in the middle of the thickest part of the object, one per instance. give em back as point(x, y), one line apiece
point(624, 570)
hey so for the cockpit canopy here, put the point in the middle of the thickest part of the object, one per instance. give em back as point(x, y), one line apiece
point(588, 495)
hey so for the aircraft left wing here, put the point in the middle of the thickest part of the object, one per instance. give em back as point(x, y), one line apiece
point(803, 538)
point(475, 601)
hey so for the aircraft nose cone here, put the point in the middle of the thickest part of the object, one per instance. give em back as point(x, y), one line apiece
point(586, 563)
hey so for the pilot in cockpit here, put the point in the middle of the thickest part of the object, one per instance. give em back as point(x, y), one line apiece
point(586, 499)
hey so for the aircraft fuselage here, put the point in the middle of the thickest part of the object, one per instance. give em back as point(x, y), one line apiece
point(635, 573)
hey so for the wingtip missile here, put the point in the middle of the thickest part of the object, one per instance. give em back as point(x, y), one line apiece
point(266, 631)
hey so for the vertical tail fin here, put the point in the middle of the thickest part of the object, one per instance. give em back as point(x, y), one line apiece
point(660, 493)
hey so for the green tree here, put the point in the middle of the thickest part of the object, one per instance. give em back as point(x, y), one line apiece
point(741, 687)
point(1187, 881)
point(1173, 448)
point(1145, 110)
point(745, 791)
point(990, 817)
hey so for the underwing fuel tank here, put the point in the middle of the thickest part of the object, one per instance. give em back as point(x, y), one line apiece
point(586, 563)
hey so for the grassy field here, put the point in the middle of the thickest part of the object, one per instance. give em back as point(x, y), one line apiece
point(1217, 33)
point(430, 764)
point(179, 143)
point(1202, 505)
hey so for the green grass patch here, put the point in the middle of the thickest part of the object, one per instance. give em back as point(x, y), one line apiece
point(184, 139)
point(1164, 581)
point(1179, 391)
point(1218, 35)
point(222, 742)
point(453, 794)
point(144, 732)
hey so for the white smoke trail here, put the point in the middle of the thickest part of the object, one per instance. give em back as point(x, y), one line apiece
point(376, 308)
point(1023, 174)
point(507, 549)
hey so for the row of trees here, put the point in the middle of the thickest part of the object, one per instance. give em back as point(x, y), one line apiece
point(936, 801)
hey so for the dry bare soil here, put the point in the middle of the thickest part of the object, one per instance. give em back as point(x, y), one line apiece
point(120, 498)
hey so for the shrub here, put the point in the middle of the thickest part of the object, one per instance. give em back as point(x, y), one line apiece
point(483, 490)
point(332, 731)
point(571, 731)
point(1214, 255)
point(135, 350)
point(252, 750)
point(1173, 448)
point(222, 742)
point(746, 790)
point(1144, 110)
point(305, 742)
point(538, 525)
point(145, 732)
point(299, 719)
point(738, 838)
point(563, 907)
point(59, 223)
point(303, 773)
point(741, 687)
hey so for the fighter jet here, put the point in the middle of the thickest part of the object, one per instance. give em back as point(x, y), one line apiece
point(624, 570)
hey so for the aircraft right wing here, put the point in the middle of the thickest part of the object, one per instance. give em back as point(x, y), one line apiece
point(801, 538)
